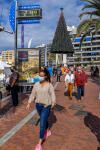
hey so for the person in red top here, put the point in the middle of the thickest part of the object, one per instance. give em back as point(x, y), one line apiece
point(80, 80)
point(66, 70)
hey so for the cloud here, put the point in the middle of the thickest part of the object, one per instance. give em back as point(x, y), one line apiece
point(43, 32)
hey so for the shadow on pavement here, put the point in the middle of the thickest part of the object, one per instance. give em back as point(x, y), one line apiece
point(93, 123)
point(36, 120)
point(52, 119)
point(96, 80)
point(59, 108)
point(5, 109)
point(74, 94)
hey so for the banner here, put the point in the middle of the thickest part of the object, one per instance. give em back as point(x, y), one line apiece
point(23, 56)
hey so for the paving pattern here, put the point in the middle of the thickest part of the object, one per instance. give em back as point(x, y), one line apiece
point(74, 125)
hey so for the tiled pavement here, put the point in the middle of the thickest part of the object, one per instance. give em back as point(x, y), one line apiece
point(75, 125)
point(7, 119)
point(10, 119)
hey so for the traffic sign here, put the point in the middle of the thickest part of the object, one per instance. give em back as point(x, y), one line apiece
point(12, 16)
point(28, 21)
point(28, 7)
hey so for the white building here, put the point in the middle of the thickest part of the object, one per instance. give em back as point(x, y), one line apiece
point(8, 56)
point(88, 53)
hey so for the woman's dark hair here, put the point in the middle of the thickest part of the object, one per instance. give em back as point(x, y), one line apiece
point(47, 74)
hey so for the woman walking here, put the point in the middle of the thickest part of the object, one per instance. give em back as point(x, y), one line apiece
point(44, 96)
point(69, 83)
point(80, 81)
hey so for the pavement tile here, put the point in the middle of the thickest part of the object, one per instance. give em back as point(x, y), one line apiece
point(69, 132)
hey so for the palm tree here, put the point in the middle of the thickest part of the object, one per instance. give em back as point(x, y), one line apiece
point(91, 25)
point(88, 24)
point(93, 6)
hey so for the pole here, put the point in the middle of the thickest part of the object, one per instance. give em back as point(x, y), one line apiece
point(39, 59)
point(16, 61)
point(22, 36)
point(46, 55)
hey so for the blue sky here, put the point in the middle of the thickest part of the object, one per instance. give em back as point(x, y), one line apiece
point(43, 32)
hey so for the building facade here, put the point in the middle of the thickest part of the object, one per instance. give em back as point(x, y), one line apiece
point(88, 52)
point(8, 56)
point(45, 55)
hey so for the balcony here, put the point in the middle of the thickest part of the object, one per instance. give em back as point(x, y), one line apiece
point(83, 62)
point(75, 57)
point(85, 52)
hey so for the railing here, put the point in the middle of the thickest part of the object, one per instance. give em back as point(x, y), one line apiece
point(93, 51)
point(83, 62)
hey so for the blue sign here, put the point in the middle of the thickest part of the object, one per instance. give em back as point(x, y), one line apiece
point(28, 21)
point(28, 7)
point(12, 16)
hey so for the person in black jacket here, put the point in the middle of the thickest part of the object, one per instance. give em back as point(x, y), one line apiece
point(14, 87)
point(59, 73)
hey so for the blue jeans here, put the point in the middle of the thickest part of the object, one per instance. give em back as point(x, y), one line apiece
point(80, 91)
point(44, 113)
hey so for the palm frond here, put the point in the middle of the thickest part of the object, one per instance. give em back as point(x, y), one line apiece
point(84, 35)
point(92, 13)
point(86, 24)
point(93, 6)
point(87, 7)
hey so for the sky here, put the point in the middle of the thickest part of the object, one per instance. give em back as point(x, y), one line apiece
point(42, 33)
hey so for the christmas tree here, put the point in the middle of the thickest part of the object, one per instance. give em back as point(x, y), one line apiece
point(62, 43)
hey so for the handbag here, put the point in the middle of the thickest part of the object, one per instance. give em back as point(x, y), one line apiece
point(8, 87)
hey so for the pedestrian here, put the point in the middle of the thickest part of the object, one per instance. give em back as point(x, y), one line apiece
point(59, 73)
point(0, 98)
point(55, 71)
point(97, 71)
point(7, 85)
point(50, 69)
point(13, 82)
point(44, 96)
point(63, 70)
point(80, 80)
point(66, 70)
point(91, 71)
point(69, 83)
point(48, 74)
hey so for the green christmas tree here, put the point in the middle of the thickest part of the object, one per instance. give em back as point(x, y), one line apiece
point(62, 43)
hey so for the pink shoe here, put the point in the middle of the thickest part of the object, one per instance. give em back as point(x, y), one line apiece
point(47, 134)
point(38, 147)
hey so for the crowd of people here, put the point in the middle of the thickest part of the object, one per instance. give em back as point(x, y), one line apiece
point(43, 93)
point(76, 78)
point(44, 96)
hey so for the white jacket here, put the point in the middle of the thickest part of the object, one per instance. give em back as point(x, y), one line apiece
point(70, 78)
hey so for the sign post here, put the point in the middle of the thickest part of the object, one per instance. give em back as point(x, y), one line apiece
point(16, 55)
point(28, 14)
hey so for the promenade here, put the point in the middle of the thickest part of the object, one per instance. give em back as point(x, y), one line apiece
point(74, 125)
